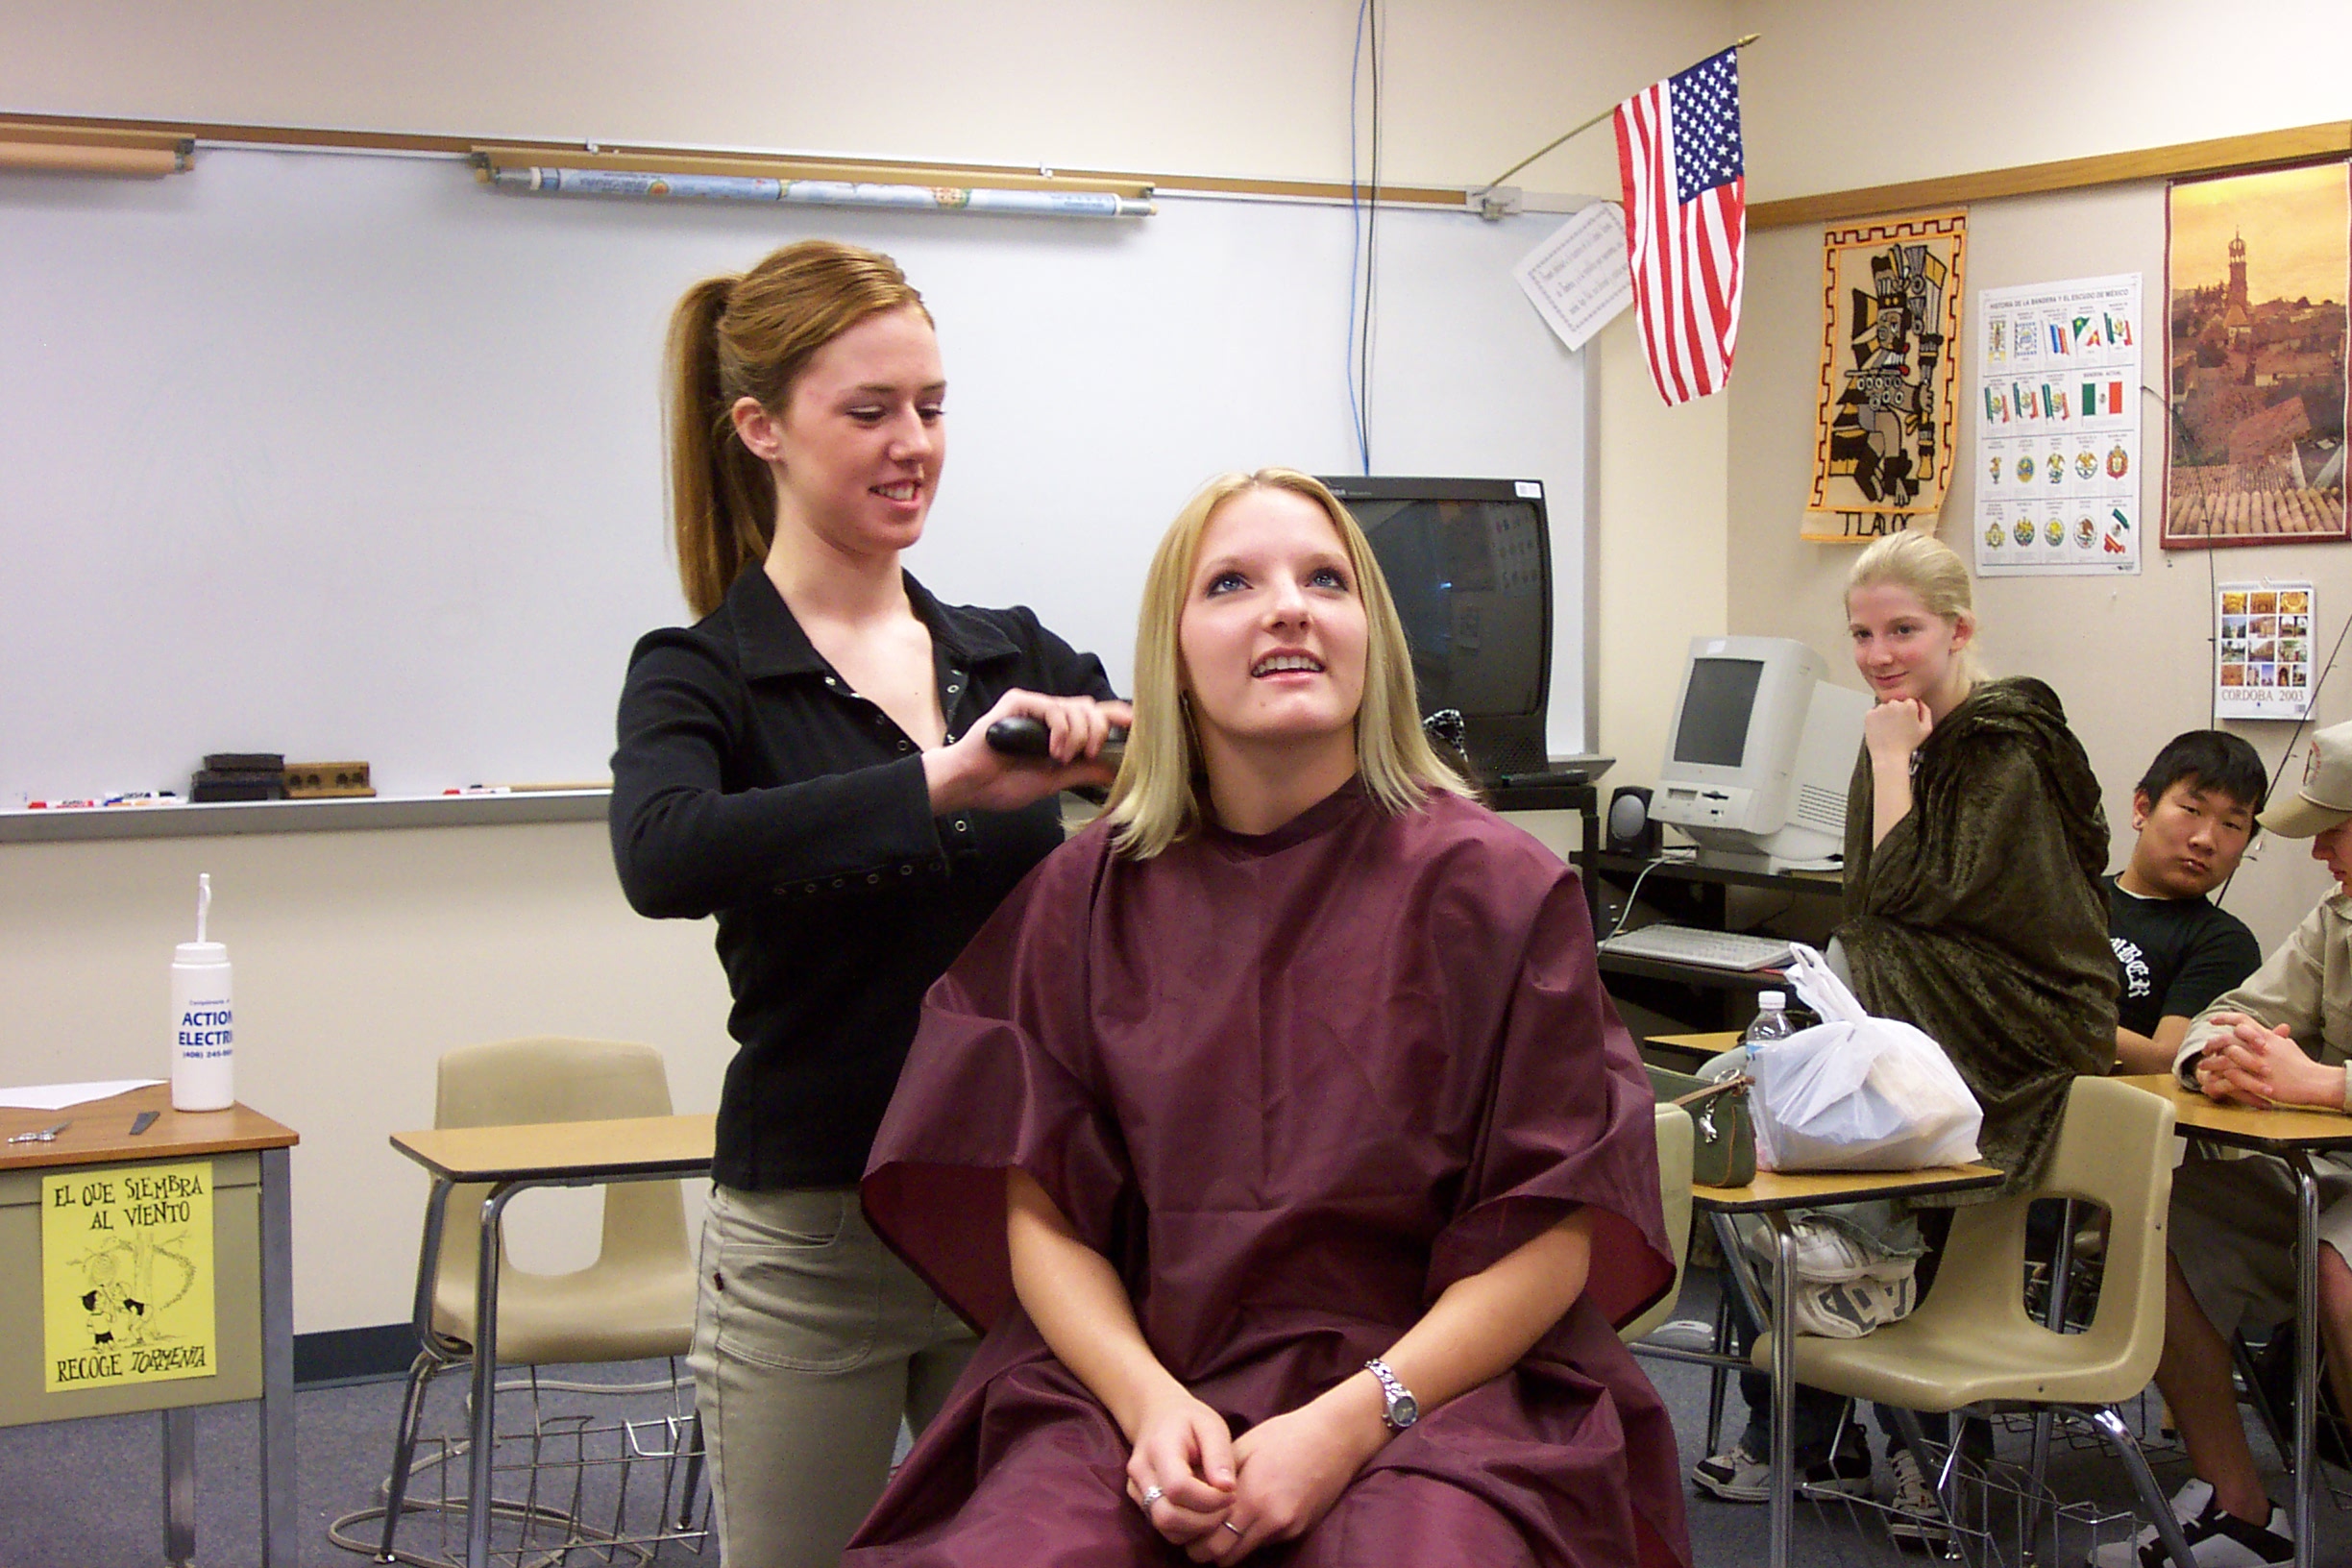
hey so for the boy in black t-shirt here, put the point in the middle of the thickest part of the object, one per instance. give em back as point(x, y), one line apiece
point(2175, 952)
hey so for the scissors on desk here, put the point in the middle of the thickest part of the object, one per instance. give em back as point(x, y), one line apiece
point(44, 1136)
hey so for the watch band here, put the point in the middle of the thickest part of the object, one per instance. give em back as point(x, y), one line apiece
point(1398, 1407)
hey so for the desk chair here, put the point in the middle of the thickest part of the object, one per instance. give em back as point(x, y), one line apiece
point(1674, 1143)
point(1971, 1346)
point(635, 1303)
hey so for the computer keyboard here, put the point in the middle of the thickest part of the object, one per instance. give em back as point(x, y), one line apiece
point(1708, 949)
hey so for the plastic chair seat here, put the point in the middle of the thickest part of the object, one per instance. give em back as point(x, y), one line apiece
point(1936, 1363)
point(1970, 1340)
point(637, 1300)
point(623, 1309)
point(1676, 1143)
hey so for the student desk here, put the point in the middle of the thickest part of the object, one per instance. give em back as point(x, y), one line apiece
point(512, 1160)
point(1691, 1052)
point(1772, 1195)
point(252, 1260)
point(2293, 1135)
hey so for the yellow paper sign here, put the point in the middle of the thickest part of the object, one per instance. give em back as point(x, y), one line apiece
point(127, 1281)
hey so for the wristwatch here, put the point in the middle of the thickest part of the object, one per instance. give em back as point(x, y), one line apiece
point(1398, 1408)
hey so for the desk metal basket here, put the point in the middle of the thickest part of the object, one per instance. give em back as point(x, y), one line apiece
point(589, 1471)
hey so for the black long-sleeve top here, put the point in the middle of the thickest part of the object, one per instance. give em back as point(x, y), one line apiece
point(753, 784)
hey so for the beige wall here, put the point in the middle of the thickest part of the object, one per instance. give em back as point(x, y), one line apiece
point(504, 930)
point(361, 956)
point(1217, 87)
point(1969, 85)
point(358, 957)
point(2129, 655)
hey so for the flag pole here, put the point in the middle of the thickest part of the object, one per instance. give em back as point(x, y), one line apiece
point(1736, 43)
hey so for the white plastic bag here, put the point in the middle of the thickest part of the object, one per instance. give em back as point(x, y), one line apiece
point(1856, 1093)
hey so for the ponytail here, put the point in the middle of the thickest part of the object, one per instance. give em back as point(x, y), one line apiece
point(751, 337)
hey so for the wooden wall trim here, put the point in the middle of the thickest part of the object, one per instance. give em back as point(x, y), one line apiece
point(634, 155)
point(2301, 144)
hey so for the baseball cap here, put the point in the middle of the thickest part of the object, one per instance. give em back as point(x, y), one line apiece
point(2325, 798)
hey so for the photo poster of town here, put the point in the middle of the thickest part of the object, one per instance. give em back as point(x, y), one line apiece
point(126, 1278)
point(2058, 443)
point(2257, 271)
point(2263, 637)
point(1883, 452)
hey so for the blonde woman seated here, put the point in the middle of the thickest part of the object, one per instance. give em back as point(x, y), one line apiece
point(1278, 1135)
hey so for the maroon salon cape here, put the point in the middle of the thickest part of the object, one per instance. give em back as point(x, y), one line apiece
point(1292, 1086)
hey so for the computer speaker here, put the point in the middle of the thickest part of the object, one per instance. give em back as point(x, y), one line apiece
point(1631, 829)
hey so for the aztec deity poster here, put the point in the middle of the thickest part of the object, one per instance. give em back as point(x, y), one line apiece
point(1889, 345)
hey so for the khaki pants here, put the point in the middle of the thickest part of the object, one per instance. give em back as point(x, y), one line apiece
point(811, 1339)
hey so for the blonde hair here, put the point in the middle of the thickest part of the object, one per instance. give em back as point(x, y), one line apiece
point(1934, 571)
point(751, 337)
point(1157, 799)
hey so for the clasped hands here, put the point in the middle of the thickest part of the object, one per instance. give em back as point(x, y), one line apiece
point(2248, 1062)
point(1221, 1497)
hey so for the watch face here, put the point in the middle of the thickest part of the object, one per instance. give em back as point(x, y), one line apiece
point(1402, 1410)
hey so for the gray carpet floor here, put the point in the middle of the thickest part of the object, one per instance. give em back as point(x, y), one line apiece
point(87, 1495)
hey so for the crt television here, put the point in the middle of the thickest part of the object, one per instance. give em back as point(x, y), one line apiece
point(1469, 564)
point(1759, 756)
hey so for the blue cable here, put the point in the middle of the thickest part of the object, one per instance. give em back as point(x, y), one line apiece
point(1363, 445)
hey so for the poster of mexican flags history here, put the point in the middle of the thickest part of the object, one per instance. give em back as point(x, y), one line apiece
point(2058, 429)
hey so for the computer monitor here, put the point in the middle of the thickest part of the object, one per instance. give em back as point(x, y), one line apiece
point(1760, 754)
point(1469, 564)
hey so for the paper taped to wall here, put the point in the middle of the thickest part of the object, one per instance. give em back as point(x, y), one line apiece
point(1578, 277)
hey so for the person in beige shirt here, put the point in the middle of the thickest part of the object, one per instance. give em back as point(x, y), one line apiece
point(2283, 1037)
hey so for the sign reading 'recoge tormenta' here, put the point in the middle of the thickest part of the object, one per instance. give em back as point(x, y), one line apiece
point(127, 1281)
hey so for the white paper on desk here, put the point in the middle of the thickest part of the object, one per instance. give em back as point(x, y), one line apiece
point(1578, 277)
point(57, 1097)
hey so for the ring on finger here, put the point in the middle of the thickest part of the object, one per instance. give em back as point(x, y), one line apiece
point(1151, 1495)
point(1230, 1525)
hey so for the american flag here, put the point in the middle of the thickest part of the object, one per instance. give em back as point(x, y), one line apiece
point(1685, 199)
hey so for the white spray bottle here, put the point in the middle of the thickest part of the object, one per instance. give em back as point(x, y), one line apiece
point(204, 1031)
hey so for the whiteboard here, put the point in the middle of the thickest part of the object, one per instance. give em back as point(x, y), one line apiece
point(351, 457)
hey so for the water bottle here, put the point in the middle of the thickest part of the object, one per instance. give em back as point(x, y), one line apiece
point(203, 1029)
point(1772, 1021)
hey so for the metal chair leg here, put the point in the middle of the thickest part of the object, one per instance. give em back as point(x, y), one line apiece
point(180, 1486)
point(693, 1469)
point(404, 1447)
point(2062, 1279)
point(1718, 1378)
point(2111, 1424)
point(2274, 1421)
point(1943, 1472)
